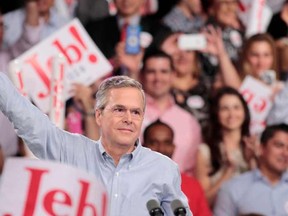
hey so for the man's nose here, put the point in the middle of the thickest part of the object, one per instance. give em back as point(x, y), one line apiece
point(128, 116)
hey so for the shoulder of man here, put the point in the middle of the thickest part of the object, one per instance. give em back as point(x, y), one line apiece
point(156, 157)
point(238, 185)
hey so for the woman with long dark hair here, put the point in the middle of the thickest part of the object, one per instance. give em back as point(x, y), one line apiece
point(226, 152)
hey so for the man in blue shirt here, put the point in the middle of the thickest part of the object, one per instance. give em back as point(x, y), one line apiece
point(131, 173)
point(263, 191)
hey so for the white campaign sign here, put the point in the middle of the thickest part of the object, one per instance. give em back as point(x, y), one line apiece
point(85, 62)
point(255, 15)
point(34, 187)
point(258, 97)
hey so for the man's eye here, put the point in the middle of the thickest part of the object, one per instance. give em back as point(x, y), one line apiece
point(119, 110)
point(136, 112)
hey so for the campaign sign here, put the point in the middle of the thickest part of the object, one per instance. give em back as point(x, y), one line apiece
point(85, 62)
point(255, 15)
point(34, 187)
point(258, 97)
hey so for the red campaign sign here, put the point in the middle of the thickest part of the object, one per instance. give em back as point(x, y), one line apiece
point(84, 62)
point(48, 188)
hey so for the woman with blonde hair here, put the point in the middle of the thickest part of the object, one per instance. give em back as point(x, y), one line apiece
point(258, 55)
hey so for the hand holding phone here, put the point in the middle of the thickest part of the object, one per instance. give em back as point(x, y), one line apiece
point(268, 77)
point(133, 39)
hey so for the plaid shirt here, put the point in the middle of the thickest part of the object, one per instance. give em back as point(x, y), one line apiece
point(178, 22)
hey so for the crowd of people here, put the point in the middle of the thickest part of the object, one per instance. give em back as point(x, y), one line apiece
point(192, 109)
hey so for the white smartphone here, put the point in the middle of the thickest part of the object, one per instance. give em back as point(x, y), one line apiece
point(192, 42)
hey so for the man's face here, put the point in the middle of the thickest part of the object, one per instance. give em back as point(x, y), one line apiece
point(194, 6)
point(160, 139)
point(157, 77)
point(128, 7)
point(44, 5)
point(226, 10)
point(274, 155)
point(121, 119)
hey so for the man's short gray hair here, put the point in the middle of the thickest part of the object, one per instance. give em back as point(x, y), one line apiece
point(114, 83)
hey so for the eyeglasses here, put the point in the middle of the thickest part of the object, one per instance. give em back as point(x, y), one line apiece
point(121, 111)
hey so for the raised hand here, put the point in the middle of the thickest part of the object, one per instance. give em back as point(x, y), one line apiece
point(170, 44)
point(131, 63)
point(83, 96)
point(251, 150)
point(215, 45)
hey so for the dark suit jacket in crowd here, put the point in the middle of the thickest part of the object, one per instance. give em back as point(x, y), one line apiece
point(106, 34)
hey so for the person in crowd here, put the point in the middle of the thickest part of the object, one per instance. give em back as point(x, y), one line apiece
point(109, 31)
point(159, 137)
point(257, 57)
point(49, 21)
point(8, 137)
point(91, 10)
point(262, 190)
point(278, 30)
point(80, 112)
point(278, 25)
point(126, 63)
point(278, 113)
point(164, 7)
point(191, 85)
point(157, 77)
point(223, 14)
point(67, 8)
point(229, 149)
point(116, 158)
point(186, 16)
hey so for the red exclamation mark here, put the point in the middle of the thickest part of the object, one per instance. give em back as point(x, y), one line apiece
point(92, 58)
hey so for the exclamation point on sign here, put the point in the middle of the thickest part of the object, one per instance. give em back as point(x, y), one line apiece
point(92, 58)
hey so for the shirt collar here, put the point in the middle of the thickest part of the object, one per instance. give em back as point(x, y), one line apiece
point(194, 17)
point(259, 176)
point(151, 101)
point(135, 20)
point(132, 154)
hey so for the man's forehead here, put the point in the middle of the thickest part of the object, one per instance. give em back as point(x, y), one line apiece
point(280, 136)
point(125, 94)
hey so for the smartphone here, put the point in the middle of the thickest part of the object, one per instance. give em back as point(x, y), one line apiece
point(133, 39)
point(268, 77)
point(192, 42)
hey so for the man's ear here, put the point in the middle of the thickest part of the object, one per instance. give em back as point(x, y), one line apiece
point(173, 146)
point(261, 149)
point(98, 116)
